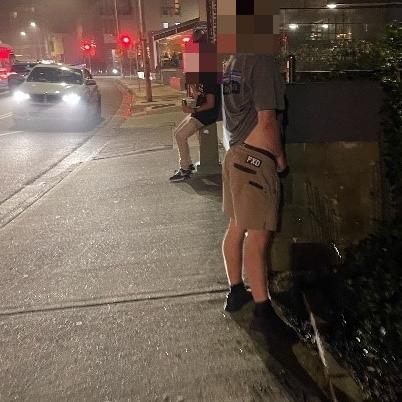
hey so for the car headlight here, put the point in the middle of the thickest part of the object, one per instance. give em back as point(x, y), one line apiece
point(20, 96)
point(72, 99)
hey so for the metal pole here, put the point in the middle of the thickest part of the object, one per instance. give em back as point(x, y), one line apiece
point(39, 45)
point(137, 67)
point(116, 19)
point(291, 68)
point(147, 68)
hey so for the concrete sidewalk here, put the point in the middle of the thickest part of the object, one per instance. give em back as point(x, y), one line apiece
point(166, 109)
point(113, 285)
point(164, 97)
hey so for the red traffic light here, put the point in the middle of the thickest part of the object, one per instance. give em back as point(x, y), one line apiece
point(125, 41)
point(88, 47)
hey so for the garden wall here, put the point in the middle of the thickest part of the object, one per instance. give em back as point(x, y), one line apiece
point(332, 193)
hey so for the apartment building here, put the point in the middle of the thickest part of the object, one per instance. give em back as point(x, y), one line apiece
point(105, 19)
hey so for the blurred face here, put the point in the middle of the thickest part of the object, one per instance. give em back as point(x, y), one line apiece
point(243, 26)
point(248, 26)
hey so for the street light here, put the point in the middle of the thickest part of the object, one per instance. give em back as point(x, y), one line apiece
point(23, 33)
point(33, 24)
point(331, 5)
point(293, 27)
point(324, 26)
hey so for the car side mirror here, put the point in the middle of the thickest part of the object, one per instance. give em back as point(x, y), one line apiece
point(90, 82)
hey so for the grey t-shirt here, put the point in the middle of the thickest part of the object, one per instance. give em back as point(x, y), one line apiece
point(251, 83)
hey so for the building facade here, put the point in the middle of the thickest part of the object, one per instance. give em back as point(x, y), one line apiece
point(24, 29)
point(105, 19)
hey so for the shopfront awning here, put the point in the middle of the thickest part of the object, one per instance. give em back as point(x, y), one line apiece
point(177, 29)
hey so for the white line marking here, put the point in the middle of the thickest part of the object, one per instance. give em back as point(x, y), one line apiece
point(5, 116)
point(10, 132)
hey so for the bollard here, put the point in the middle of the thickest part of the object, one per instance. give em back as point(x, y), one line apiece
point(209, 153)
point(291, 68)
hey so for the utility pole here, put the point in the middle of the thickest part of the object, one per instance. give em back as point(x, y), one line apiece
point(116, 19)
point(147, 68)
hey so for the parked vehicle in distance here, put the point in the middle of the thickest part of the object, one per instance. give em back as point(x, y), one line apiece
point(19, 71)
point(7, 59)
point(57, 92)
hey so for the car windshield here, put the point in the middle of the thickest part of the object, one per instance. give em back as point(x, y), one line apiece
point(56, 75)
point(22, 68)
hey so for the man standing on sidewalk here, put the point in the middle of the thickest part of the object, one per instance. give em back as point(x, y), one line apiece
point(205, 112)
point(253, 97)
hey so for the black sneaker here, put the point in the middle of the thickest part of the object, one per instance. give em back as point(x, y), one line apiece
point(191, 167)
point(180, 175)
point(263, 317)
point(235, 300)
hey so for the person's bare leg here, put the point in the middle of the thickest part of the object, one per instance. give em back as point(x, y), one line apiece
point(233, 253)
point(255, 255)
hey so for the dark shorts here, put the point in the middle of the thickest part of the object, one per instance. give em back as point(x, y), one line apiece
point(251, 189)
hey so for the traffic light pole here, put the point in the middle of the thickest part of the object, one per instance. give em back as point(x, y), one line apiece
point(147, 68)
point(116, 18)
point(89, 63)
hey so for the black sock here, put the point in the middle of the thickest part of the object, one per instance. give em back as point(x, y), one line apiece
point(262, 308)
point(238, 287)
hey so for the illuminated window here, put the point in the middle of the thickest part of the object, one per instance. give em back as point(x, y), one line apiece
point(176, 7)
point(171, 7)
point(165, 24)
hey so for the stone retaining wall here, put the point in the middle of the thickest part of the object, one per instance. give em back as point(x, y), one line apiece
point(331, 195)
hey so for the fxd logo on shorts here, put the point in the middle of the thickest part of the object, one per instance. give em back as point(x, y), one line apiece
point(253, 161)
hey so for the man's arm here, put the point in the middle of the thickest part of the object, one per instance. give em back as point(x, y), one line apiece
point(268, 123)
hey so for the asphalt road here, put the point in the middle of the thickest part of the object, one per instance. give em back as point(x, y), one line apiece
point(26, 155)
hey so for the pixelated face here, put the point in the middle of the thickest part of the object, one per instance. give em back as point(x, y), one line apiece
point(201, 63)
point(243, 26)
point(248, 26)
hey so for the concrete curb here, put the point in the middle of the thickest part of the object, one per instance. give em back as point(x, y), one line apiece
point(124, 86)
point(337, 377)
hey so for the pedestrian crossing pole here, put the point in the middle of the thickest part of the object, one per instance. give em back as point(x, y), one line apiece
point(147, 68)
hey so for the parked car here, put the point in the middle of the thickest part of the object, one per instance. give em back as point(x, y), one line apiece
point(58, 92)
point(19, 71)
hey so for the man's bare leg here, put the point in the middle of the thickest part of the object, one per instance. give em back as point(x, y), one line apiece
point(233, 253)
point(255, 259)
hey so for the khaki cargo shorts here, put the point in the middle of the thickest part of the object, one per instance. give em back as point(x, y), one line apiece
point(251, 189)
